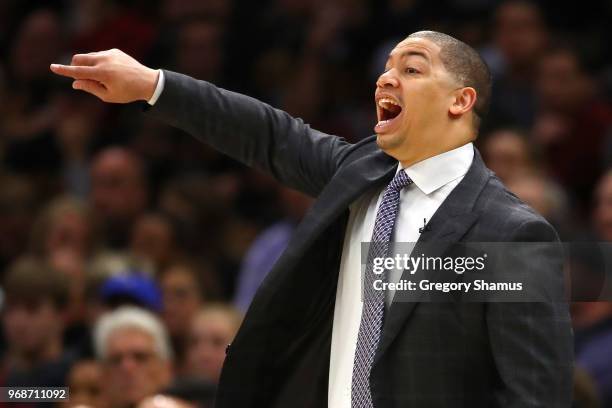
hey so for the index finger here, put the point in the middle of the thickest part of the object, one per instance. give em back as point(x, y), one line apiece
point(77, 71)
point(85, 59)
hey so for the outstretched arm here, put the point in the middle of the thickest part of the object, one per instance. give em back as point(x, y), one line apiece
point(242, 127)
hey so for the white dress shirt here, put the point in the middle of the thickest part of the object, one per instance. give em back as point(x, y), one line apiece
point(434, 179)
point(159, 88)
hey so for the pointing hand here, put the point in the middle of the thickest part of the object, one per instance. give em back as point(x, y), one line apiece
point(112, 75)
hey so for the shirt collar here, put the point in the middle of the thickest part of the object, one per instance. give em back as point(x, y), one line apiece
point(432, 173)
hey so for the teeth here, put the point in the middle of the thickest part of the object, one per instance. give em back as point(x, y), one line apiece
point(385, 102)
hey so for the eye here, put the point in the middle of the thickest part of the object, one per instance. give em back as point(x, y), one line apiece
point(411, 70)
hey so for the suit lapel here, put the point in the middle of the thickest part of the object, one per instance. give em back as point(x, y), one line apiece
point(449, 223)
point(370, 171)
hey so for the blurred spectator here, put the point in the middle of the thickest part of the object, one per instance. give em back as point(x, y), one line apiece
point(212, 330)
point(64, 235)
point(133, 348)
point(86, 385)
point(65, 224)
point(17, 211)
point(154, 237)
point(268, 246)
point(507, 152)
point(593, 319)
point(30, 62)
point(593, 332)
point(544, 196)
point(78, 126)
point(185, 287)
point(118, 192)
point(197, 37)
point(520, 35)
point(33, 322)
point(572, 122)
point(28, 108)
point(602, 215)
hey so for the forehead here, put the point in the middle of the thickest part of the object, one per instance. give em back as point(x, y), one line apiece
point(419, 45)
point(130, 338)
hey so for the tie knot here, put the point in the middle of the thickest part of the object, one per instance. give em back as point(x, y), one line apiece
point(400, 181)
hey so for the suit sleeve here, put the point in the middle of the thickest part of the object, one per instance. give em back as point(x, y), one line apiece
point(251, 132)
point(532, 341)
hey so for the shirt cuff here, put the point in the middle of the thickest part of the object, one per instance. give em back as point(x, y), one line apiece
point(159, 88)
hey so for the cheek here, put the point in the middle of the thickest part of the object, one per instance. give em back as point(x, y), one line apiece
point(423, 98)
point(154, 370)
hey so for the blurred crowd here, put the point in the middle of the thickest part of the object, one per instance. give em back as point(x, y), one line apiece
point(129, 251)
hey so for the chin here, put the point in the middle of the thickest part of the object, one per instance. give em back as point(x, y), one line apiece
point(388, 142)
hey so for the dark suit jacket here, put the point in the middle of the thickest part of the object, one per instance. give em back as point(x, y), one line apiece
point(434, 354)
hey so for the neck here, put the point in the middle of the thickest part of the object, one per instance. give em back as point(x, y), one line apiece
point(433, 145)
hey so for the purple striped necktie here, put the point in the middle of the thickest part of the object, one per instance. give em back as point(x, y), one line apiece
point(373, 310)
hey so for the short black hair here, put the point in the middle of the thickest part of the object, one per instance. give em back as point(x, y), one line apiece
point(466, 65)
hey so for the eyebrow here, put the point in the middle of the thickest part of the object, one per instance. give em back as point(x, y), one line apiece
point(415, 53)
point(409, 54)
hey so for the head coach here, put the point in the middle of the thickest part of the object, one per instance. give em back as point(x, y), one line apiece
point(309, 338)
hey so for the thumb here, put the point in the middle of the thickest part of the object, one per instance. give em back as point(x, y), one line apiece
point(90, 86)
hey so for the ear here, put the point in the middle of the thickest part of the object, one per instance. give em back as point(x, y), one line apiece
point(463, 102)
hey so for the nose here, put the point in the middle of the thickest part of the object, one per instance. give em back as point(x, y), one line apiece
point(128, 365)
point(387, 80)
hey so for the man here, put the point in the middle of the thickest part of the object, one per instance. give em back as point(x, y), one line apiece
point(33, 319)
point(86, 385)
point(210, 330)
point(308, 340)
point(134, 350)
point(593, 320)
point(118, 193)
point(572, 124)
point(520, 36)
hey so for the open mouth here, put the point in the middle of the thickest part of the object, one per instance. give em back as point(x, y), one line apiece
point(388, 110)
